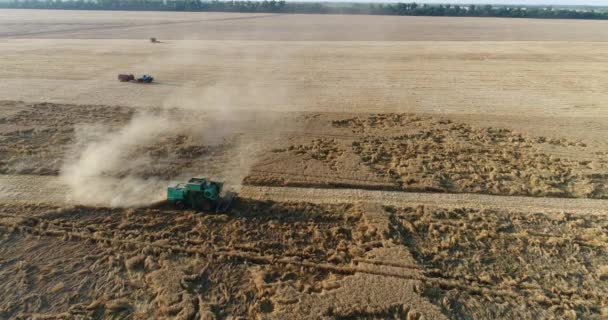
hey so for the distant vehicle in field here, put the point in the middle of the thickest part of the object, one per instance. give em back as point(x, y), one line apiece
point(126, 77)
point(146, 78)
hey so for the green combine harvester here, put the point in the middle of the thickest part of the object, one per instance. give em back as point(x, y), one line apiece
point(200, 194)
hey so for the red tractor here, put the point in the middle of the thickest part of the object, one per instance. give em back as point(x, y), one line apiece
point(126, 77)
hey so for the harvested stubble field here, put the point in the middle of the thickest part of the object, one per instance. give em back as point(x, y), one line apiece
point(270, 260)
point(273, 260)
point(380, 151)
point(388, 167)
point(422, 153)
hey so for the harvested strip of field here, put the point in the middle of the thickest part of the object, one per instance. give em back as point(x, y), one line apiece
point(537, 265)
point(169, 263)
point(36, 137)
point(272, 260)
point(409, 152)
point(584, 207)
point(40, 138)
point(426, 154)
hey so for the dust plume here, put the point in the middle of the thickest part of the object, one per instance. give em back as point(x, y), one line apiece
point(117, 166)
point(108, 162)
point(91, 176)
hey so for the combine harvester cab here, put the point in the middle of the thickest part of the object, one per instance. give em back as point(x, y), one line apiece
point(200, 194)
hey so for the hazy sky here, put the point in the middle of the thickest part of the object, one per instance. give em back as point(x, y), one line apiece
point(562, 2)
point(523, 2)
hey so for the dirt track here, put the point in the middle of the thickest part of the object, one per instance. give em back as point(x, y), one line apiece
point(51, 191)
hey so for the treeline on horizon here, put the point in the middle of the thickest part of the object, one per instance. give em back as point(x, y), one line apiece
point(399, 9)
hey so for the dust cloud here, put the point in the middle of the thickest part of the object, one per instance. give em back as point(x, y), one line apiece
point(106, 170)
point(105, 163)
point(91, 175)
